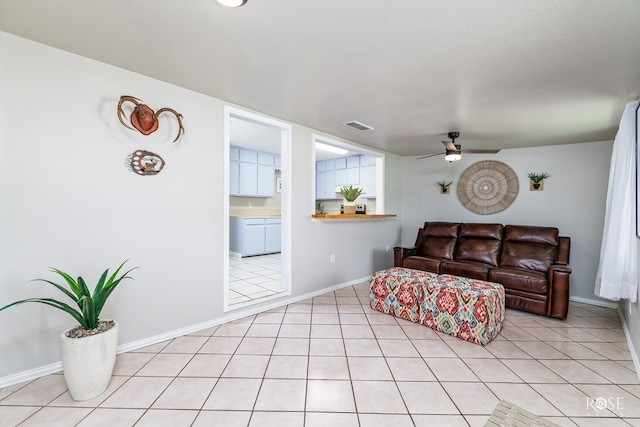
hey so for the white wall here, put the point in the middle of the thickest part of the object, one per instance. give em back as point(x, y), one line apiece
point(573, 199)
point(69, 202)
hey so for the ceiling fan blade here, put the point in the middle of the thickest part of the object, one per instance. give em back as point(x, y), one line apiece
point(449, 145)
point(430, 155)
point(480, 151)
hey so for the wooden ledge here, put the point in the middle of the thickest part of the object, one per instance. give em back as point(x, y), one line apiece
point(352, 216)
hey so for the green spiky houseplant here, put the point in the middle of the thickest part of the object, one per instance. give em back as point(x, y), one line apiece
point(444, 186)
point(537, 178)
point(90, 304)
point(351, 193)
point(88, 351)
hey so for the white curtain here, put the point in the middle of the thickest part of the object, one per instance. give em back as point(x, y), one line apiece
point(617, 276)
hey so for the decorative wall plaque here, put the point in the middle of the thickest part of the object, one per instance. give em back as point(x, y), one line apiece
point(145, 162)
point(488, 187)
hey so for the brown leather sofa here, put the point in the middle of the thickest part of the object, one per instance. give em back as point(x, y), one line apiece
point(532, 263)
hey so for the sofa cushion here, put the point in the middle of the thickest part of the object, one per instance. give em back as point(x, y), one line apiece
point(518, 279)
point(422, 263)
point(481, 231)
point(528, 257)
point(531, 234)
point(440, 229)
point(469, 269)
point(479, 250)
point(437, 247)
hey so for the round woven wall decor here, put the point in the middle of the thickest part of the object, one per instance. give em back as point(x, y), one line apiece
point(488, 187)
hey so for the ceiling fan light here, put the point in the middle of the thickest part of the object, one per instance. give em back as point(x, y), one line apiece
point(452, 156)
point(232, 3)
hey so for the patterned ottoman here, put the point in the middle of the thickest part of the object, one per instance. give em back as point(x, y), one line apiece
point(472, 310)
point(395, 291)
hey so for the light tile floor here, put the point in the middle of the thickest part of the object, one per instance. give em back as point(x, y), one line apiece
point(333, 361)
point(253, 277)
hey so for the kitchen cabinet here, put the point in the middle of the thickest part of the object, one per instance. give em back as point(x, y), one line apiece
point(272, 229)
point(356, 170)
point(254, 236)
point(368, 181)
point(252, 173)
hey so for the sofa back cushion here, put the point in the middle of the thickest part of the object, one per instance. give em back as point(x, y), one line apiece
point(531, 234)
point(481, 231)
point(480, 243)
point(529, 247)
point(438, 240)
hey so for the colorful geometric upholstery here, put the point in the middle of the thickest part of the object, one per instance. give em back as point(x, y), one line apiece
point(393, 291)
point(472, 310)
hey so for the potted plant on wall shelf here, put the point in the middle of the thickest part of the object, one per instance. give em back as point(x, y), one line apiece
point(350, 195)
point(89, 349)
point(444, 186)
point(537, 180)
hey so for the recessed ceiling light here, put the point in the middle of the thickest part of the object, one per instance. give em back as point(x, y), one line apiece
point(232, 3)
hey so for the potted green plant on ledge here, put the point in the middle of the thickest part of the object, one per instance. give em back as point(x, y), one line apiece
point(444, 186)
point(89, 349)
point(350, 194)
point(537, 179)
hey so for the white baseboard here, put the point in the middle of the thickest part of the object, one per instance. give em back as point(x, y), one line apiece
point(42, 371)
point(30, 375)
point(598, 302)
point(632, 349)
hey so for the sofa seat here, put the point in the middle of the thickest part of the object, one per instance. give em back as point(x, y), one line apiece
point(470, 269)
point(520, 280)
point(422, 263)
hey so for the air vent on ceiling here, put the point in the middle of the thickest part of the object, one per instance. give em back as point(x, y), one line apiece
point(357, 125)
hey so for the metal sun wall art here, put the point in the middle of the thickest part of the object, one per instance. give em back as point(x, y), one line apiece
point(145, 120)
point(488, 187)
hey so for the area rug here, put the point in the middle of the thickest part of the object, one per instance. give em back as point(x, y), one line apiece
point(507, 414)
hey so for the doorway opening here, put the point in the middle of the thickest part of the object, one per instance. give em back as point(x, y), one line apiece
point(257, 209)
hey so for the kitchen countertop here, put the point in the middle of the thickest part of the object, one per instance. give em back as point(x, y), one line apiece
point(352, 216)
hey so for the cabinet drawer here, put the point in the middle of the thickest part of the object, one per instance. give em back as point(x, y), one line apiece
point(273, 220)
point(254, 221)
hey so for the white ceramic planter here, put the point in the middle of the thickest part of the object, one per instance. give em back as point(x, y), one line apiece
point(88, 363)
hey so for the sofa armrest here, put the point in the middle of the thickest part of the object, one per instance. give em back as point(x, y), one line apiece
point(558, 298)
point(400, 253)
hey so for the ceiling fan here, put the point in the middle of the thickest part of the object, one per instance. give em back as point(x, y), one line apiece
point(453, 151)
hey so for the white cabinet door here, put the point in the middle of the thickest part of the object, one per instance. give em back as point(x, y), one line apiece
point(254, 237)
point(234, 178)
point(272, 235)
point(341, 177)
point(330, 185)
point(248, 179)
point(368, 181)
point(321, 179)
point(353, 176)
point(266, 181)
point(266, 158)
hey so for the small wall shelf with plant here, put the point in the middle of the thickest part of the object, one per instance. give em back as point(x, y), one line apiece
point(444, 187)
point(536, 180)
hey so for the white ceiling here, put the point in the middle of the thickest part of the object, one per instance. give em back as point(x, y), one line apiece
point(505, 73)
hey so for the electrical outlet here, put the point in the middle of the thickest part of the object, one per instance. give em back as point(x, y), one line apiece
point(386, 248)
point(333, 258)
